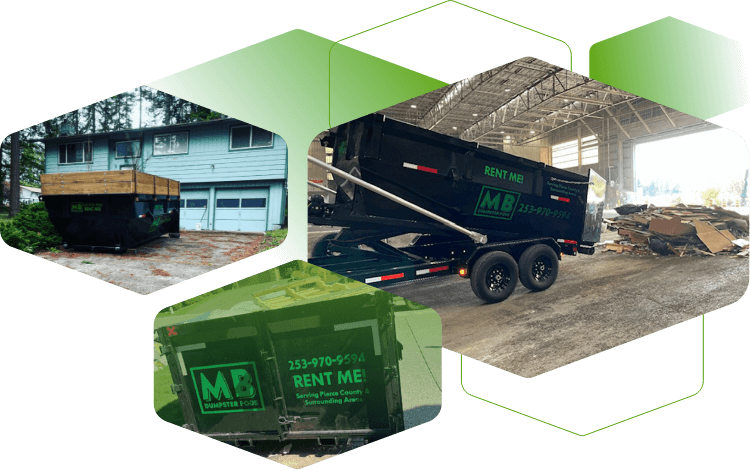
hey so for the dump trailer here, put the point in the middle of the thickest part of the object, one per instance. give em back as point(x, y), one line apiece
point(111, 210)
point(298, 359)
point(481, 213)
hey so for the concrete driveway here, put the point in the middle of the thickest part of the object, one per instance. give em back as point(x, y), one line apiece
point(164, 261)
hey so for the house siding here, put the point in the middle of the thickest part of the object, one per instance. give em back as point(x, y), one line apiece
point(208, 164)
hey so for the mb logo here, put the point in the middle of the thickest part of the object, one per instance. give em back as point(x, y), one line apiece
point(228, 388)
point(496, 203)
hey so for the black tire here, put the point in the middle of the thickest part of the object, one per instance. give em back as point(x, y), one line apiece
point(537, 267)
point(174, 235)
point(494, 276)
point(321, 246)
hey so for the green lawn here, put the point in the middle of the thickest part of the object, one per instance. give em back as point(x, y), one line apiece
point(273, 239)
point(165, 402)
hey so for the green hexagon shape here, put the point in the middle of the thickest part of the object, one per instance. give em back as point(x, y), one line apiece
point(676, 64)
point(283, 84)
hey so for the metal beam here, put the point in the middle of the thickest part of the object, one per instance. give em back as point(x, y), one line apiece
point(614, 91)
point(452, 97)
point(638, 115)
point(667, 115)
point(587, 127)
point(583, 99)
point(617, 121)
point(493, 119)
point(534, 139)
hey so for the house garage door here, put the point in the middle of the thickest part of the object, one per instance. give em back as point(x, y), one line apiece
point(241, 209)
point(194, 209)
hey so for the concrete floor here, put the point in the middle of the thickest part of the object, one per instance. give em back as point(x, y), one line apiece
point(598, 302)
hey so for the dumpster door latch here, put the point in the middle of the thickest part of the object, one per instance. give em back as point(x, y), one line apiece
point(177, 388)
point(286, 420)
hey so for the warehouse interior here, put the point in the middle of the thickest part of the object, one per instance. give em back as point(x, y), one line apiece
point(545, 113)
point(542, 112)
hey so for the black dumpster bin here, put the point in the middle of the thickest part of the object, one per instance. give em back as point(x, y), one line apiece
point(498, 194)
point(478, 212)
point(111, 210)
point(297, 359)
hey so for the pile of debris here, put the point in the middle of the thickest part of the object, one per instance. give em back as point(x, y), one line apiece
point(679, 230)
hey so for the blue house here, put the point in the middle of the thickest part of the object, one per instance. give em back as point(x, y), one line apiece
point(232, 175)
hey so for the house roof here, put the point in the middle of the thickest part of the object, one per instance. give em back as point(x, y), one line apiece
point(139, 130)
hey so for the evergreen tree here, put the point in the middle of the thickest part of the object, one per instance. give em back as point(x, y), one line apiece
point(125, 105)
point(107, 110)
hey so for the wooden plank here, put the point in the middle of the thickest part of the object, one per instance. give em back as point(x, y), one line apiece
point(161, 186)
point(673, 227)
point(122, 187)
point(144, 182)
point(107, 182)
point(87, 177)
point(712, 238)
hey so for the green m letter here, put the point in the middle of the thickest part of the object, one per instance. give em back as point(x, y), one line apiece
point(220, 388)
point(490, 203)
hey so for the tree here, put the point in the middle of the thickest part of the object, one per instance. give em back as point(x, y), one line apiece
point(15, 168)
point(107, 115)
point(735, 186)
point(709, 196)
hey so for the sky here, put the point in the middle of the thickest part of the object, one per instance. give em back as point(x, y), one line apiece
point(696, 162)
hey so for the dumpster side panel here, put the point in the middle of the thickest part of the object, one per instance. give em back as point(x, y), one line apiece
point(319, 369)
point(107, 221)
point(334, 367)
point(229, 385)
point(474, 186)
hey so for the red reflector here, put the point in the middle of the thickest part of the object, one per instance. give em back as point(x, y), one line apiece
point(441, 268)
point(420, 168)
point(572, 242)
point(392, 276)
point(563, 199)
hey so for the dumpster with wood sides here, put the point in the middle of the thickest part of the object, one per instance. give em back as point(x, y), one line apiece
point(111, 210)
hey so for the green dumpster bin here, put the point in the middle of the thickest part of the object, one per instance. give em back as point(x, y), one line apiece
point(298, 359)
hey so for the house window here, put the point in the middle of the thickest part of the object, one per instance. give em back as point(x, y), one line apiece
point(79, 152)
point(245, 137)
point(227, 203)
point(254, 203)
point(171, 144)
point(128, 149)
point(196, 204)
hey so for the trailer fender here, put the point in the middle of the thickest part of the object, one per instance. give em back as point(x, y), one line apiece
point(514, 248)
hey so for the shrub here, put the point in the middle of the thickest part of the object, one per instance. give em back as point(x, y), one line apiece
point(30, 230)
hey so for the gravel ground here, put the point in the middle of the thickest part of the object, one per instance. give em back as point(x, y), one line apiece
point(164, 261)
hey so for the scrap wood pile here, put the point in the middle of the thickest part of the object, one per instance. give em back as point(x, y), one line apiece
point(680, 230)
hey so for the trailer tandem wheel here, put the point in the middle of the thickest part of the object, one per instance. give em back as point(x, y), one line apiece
point(494, 276)
point(537, 267)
